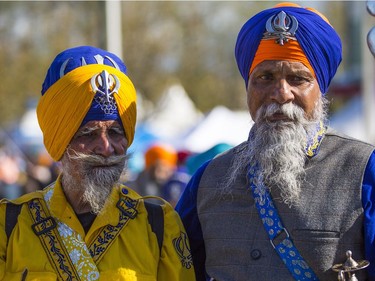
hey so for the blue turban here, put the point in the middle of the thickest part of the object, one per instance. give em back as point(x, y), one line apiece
point(73, 58)
point(70, 59)
point(317, 38)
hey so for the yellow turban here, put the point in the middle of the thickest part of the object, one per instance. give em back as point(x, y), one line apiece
point(64, 105)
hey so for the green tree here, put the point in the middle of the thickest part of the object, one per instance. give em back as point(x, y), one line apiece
point(187, 42)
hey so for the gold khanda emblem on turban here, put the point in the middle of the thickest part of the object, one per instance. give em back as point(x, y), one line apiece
point(281, 27)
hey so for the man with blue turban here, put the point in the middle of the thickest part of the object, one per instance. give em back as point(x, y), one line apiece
point(296, 200)
point(87, 225)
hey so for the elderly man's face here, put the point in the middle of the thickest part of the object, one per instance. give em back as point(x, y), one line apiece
point(93, 163)
point(282, 82)
point(104, 138)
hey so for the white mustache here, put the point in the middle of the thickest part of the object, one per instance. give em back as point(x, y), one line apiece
point(290, 110)
point(97, 160)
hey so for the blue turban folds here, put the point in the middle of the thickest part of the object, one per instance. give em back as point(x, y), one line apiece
point(317, 38)
point(73, 58)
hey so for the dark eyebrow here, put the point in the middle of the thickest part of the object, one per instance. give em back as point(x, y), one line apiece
point(303, 72)
point(264, 70)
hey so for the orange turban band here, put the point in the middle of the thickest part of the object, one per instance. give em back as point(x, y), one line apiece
point(291, 51)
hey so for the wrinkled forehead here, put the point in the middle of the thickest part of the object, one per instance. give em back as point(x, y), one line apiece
point(100, 125)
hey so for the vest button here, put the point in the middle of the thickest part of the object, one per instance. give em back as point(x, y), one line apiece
point(255, 254)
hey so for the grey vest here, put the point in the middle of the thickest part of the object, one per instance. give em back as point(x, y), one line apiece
point(328, 224)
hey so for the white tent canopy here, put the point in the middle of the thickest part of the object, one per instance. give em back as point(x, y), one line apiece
point(175, 120)
point(221, 125)
point(350, 119)
point(174, 114)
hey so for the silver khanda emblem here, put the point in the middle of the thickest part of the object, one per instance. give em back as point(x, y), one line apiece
point(105, 85)
point(349, 267)
point(281, 27)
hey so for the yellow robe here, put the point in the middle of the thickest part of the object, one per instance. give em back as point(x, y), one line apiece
point(133, 256)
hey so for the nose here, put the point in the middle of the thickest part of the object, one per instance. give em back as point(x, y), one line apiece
point(282, 92)
point(103, 145)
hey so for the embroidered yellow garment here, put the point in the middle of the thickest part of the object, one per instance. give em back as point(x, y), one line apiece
point(63, 107)
point(75, 246)
point(133, 256)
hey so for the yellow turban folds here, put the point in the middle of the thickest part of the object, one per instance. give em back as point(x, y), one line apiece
point(65, 104)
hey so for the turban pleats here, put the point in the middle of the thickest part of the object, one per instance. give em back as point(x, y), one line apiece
point(248, 41)
point(318, 40)
point(65, 104)
point(323, 50)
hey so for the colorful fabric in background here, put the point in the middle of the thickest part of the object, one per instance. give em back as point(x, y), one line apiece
point(318, 40)
point(68, 94)
point(195, 161)
point(160, 152)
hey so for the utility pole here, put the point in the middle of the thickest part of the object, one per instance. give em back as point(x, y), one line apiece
point(113, 27)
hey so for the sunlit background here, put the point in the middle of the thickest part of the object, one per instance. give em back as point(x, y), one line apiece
point(179, 55)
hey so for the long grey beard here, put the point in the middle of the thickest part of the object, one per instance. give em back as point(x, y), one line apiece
point(95, 177)
point(278, 150)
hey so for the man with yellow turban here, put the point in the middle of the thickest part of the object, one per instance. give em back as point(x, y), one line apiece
point(296, 200)
point(86, 225)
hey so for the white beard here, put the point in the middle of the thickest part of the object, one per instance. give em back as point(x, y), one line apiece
point(278, 150)
point(96, 183)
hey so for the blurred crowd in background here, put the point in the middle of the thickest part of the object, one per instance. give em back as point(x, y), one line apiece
point(24, 172)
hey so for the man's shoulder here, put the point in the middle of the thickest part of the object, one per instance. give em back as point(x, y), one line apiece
point(14, 206)
point(229, 154)
point(220, 163)
point(338, 136)
point(129, 191)
point(23, 198)
point(131, 194)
